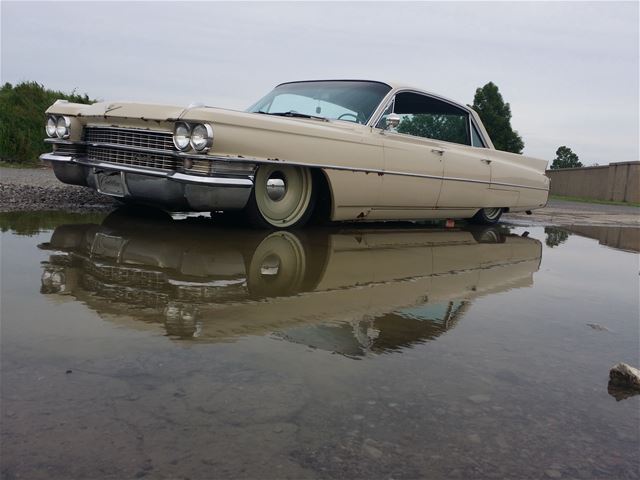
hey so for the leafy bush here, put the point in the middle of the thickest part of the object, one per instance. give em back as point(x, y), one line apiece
point(22, 119)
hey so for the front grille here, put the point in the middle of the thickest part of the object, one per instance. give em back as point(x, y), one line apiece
point(130, 138)
point(129, 147)
point(137, 159)
point(64, 149)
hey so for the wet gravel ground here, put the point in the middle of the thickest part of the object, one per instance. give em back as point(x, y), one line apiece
point(31, 189)
point(563, 213)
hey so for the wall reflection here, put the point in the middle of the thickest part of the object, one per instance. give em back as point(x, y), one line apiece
point(353, 291)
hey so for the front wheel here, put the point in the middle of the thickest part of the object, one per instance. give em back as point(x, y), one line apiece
point(487, 216)
point(283, 197)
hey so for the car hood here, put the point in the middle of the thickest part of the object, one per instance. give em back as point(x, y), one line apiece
point(158, 113)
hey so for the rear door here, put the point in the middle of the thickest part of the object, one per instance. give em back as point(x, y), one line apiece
point(430, 160)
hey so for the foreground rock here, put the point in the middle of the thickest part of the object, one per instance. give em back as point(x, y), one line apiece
point(624, 381)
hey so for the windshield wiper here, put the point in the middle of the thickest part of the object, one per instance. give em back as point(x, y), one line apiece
point(294, 114)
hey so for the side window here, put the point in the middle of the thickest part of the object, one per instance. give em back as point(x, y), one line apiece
point(427, 117)
point(476, 139)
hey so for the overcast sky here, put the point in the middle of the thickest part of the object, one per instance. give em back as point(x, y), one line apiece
point(569, 70)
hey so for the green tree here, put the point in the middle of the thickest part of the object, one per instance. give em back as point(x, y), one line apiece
point(565, 158)
point(22, 119)
point(496, 117)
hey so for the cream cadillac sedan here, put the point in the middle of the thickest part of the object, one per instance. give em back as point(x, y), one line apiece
point(340, 150)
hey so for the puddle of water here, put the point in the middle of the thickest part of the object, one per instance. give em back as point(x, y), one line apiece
point(163, 348)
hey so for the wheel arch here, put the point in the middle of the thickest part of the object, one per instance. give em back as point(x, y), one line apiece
point(325, 203)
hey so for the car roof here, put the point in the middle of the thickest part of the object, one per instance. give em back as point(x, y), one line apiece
point(394, 85)
point(401, 86)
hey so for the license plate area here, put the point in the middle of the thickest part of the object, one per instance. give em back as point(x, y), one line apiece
point(110, 183)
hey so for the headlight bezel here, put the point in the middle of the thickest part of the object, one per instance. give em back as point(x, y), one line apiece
point(207, 137)
point(187, 136)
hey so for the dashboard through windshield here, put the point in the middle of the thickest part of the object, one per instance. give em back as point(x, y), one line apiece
point(348, 100)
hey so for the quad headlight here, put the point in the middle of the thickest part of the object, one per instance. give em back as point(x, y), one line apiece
point(201, 137)
point(197, 136)
point(182, 136)
point(62, 127)
point(50, 128)
point(58, 126)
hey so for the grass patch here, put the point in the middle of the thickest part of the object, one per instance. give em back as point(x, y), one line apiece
point(592, 200)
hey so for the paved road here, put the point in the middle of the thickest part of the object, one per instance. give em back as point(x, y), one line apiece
point(563, 213)
point(593, 207)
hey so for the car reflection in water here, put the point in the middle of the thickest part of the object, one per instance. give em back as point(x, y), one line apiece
point(356, 292)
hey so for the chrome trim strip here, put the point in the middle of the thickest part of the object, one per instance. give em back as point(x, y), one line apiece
point(219, 181)
point(123, 168)
point(393, 94)
point(52, 157)
point(379, 111)
point(128, 129)
point(130, 148)
point(472, 120)
point(370, 170)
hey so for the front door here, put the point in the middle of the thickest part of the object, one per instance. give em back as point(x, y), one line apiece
point(413, 173)
point(429, 144)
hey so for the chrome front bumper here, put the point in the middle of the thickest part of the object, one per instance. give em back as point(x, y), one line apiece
point(167, 189)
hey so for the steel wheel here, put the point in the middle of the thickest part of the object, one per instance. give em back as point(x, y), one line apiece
point(487, 216)
point(282, 197)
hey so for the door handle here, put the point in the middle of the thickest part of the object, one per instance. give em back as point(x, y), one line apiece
point(438, 151)
point(486, 160)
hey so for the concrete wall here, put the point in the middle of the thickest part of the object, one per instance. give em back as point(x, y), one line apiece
point(617, 181)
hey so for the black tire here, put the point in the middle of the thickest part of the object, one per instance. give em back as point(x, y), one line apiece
point(487, 216)
point(287, 205)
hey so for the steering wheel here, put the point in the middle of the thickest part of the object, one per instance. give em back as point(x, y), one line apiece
point(355, 117)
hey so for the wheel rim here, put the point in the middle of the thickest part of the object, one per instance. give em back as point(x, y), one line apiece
point(492, 213)
point(278, 266)
point(282, 193)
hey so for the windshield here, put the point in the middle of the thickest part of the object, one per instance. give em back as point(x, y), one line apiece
point(352, 101)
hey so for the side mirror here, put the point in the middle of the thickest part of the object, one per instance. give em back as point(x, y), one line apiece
point(392, 121)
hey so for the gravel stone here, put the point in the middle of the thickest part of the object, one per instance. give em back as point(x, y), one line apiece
point(33, 189)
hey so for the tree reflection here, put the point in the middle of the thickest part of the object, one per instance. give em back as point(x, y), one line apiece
point(555, 236)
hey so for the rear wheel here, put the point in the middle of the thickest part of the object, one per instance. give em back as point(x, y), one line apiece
point(283, 197)
point(487, 216)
